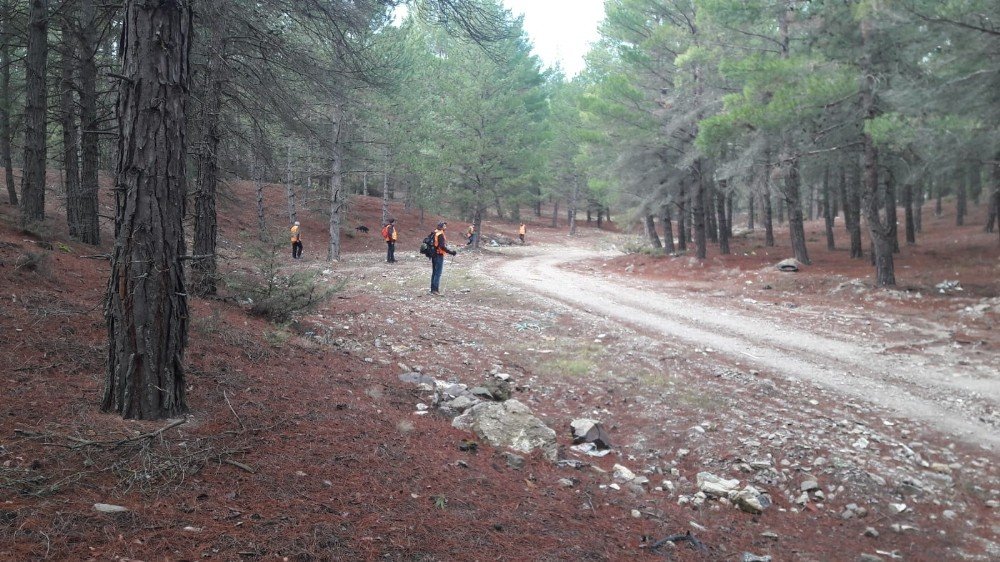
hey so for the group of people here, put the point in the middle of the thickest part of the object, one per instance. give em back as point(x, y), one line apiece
point(390, 235)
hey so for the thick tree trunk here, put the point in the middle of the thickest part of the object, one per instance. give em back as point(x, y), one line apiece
point(768, 217)
point(6, 159)
point(698, 210)
point(36, 102)
point(146, 308)
point(852, 208)
point(68, 122)
point(720, 205)
point(204, 268)
point(796, 221)
point(649, 223)
point(90, 229)
point(828, 216)
point(337, 195)
point(885, 274)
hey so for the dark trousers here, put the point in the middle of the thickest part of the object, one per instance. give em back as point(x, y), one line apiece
point(297, 249)
point(437, 266)
point(390, 252)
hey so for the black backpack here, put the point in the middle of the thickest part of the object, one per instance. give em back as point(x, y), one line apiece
point(427, 246)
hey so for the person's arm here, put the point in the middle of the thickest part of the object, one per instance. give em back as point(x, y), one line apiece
point(443, 243)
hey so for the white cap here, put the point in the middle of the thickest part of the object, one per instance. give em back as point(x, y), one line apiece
point(296, 223)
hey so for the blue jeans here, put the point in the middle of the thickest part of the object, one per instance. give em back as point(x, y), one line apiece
point(437, 266)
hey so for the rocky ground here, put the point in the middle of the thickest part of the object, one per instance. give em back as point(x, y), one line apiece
point(324, 438)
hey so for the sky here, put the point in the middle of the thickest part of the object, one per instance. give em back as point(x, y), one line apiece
point(560, 30)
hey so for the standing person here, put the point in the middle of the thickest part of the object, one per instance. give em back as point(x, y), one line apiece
point(437, 262)
point(296, 242)
point(389, 235)
point(469, 233)
point(521, 231)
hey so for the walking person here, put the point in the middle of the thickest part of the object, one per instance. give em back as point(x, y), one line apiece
point(296, 241)
point(437, 261)
point(389, 235)
point(521, 232)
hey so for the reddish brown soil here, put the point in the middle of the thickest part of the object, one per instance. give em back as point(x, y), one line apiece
point(302, 443)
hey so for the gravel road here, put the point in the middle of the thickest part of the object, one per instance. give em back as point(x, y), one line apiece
point(946, 395)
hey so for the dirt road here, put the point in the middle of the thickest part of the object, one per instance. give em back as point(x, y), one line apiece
point(945, 393)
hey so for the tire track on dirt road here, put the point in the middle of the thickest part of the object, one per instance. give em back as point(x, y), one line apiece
point(912, 390)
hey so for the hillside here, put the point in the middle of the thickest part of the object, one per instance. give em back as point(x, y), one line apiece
point(304, 443)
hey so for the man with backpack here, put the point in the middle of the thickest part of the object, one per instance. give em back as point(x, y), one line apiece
point(389, 235)
point(440, 246)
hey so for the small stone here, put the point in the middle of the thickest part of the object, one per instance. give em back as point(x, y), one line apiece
point(565, 483)
point(750, 557)
point(992, 504)
point(847, 514)
point(636, 514)
point(109, 508)
point(949, 514)
point(871, 532)
point(940, 468)
point(897, 508)
point(770, 535)
point(803, 499)
point(809, 485)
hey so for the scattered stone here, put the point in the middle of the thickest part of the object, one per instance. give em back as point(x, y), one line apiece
point(809, 485)
point(949, 514)
point(749, 557)
point(622, 474)
point(590, 449)
point(636, 514)
point(713, 485)
point(751, 500)
point(992, 504)
point(590, 431)
point(514, 461)
point(940, 468)
point(770, 535)
point(509, 424)
point(791, 265)
point(109, 508)
point(871, 532)
point(802, 499)
point(897, 508)
point(565, 483)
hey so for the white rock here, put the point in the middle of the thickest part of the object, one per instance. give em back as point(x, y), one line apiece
point(109, 508)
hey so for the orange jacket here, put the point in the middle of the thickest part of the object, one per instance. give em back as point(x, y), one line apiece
point(521, 230)
point(441, 243)
point(295, 234)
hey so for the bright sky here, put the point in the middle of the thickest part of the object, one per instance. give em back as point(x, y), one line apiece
point(560, 30)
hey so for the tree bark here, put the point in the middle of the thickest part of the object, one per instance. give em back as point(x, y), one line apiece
point(891, 215)
point(6, 158)
point(882, 245)
point(649, 223)
point(205, 268)
point(146, 307)
point(918, 214)
point(698, 210)
point(385, 187)
point(337, 195)
point(852, 208)
point(290, 185)
point(36, 102)
point(90, 229)
point(258, 186)
point(682, 218)
point(711, 222)
point(668, 230)
point(723, 220)
point(68, 122)
point(961, 189)
point(571, 212)
point(828, 216)
point(994, 212)
point(750, 211)
point(796, 221)
point(910, 225)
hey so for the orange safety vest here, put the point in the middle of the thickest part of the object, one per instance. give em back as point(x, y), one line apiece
point(521, 230)
point(437, 245)
point(295, 234)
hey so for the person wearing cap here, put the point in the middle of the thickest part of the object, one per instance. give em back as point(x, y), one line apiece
point(296, 242)
point(470, 234)
point(389, 235)
point(437, 262)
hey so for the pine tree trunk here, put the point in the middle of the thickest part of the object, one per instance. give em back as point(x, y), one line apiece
point(6, 158)
point(711, 222)
point(918, 214)
point(649, 224)
point(385, 186)
point(571, 212)
point(68, 121)
point(36, 101)
point(204, 268)
point(258, 186)
point(828, 216)
point(975, 181)
point(682, 214)
point(796, 221)
point(723, 220)
point(750, 211)
point(885, 274)
point(90, 229)
point(910, 225)
point(962, 188)
point(668, 230)
point(891, 215)
point(730, 212)
point(698, 210)
point(337, 195)
point(939, 194)
point(852, 208)
point(994, 212)
point(290, 185)
point(768, 219)
point(146, 307)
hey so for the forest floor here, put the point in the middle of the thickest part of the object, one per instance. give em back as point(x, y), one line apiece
point(869, 416)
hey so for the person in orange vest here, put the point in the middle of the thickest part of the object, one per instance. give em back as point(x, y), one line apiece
point(296, 242)
point(437, 261)
point(469, 233)
point(389, 235)
point(521, 231)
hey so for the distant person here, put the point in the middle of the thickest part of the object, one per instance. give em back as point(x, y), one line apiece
point(470, 233)
point(389, 235)
point(437, 261)
point(296, 242)
point(521, 232)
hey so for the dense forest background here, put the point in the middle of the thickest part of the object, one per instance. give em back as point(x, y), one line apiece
point(691, 116)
